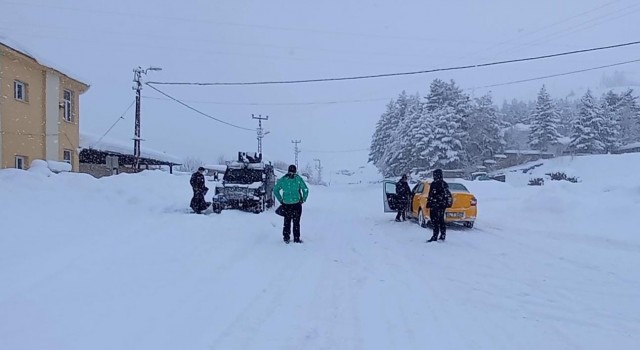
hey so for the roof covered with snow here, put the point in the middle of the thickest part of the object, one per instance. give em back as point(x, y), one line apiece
point(13, 45)
point(90, 141)
point(525, 152)
point(215, 167)
point(630, 146)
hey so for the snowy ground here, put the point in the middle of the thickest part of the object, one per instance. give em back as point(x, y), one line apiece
point(115, 263)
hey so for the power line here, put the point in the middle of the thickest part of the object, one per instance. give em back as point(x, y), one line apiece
point(539, 29)
point(554, 75)
point(138, 16)
point(121, 117)
point(274, 104)
point(198, 111)
point(339, 151)
point(578, 28)
point(567, 53)
point(390, 98)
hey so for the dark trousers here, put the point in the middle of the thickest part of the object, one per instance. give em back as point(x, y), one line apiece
point(292, 212)
point(198, 203)
point(437, 220)
point(402, 210)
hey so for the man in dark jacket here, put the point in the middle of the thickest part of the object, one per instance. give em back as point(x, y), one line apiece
point(294, 193)
point(403, 192)
point(198, 203)
point(438, 201)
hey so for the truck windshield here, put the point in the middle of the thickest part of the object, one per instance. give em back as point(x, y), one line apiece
point(242, 176)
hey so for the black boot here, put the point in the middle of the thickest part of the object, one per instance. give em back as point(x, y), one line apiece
point(433, 238)
point(442, 236)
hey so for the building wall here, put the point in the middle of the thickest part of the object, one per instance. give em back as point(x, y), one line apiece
point(23, 126)
point(36, 129)
point(69, 132)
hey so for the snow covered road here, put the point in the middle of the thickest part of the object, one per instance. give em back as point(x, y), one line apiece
point(119, 267)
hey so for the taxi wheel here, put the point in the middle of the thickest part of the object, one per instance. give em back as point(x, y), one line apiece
point(468, 224)
point(422, 221)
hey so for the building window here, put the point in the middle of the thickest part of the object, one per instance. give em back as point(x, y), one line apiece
point(21, 162)
point(20, 91)
point(67, 156)
point(68, 105)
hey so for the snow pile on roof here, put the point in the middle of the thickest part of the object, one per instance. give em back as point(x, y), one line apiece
point(525, 152)
point(630, 146)
point(216, 167)
point(28, 52)
point(90, 141)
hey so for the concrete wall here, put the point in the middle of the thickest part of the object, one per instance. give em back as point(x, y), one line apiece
point(101, 170)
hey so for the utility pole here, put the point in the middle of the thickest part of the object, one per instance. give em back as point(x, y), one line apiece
point(319, 170)
point(137, 75)
point(260, 131)
point(296, 150)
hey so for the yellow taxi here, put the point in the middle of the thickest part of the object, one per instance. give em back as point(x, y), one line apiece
point(463, 211)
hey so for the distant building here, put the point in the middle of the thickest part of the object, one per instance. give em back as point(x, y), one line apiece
point(39, 110)
point(104, 157)
point(517, 157)
point(630, 148)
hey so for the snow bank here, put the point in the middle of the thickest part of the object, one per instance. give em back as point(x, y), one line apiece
point(364, 174)
point(600, 171)
point(39, 166)
point(58, 167)
point(118, 260)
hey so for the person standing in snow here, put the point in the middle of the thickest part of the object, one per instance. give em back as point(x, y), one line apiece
point(198, 203)
point(438, 201)
point(403, 192)
point(294, 193)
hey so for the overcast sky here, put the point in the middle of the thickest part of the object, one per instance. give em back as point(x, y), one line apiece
point(242, 40)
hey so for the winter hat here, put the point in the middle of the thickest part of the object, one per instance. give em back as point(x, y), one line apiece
point(292, 169)
point(437, 174)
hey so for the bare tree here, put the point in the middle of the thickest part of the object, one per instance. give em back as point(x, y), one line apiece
point(308, 173)
point(221, 159)
point(191, 164)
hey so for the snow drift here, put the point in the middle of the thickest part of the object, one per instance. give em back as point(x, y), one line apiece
point(117, 263)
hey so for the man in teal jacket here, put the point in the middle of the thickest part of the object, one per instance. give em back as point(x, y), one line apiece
point(294, 193)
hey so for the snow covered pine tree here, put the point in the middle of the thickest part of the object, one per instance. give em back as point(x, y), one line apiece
point(587, 128)
point(545, 119)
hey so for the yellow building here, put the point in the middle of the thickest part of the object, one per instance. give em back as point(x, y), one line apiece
point(39, 110)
